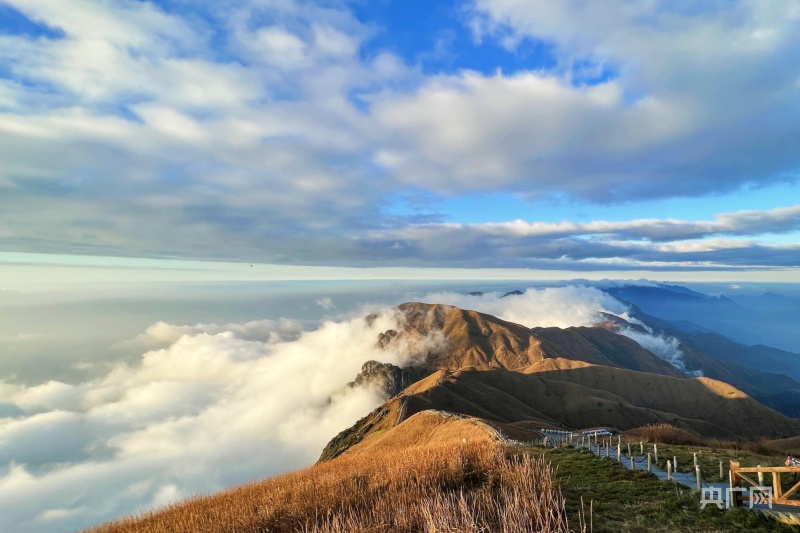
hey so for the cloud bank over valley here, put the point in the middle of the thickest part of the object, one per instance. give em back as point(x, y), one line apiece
point(207, 406)
point(217, 406)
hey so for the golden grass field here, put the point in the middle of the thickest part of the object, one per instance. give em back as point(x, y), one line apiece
point(433, 485)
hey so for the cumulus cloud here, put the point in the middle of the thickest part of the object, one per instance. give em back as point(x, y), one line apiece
point(563, 307)
point(217, 405)
point(274, 131)
point(457, 135)
point(670, 110)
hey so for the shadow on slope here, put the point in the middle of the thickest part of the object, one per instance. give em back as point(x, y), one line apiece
point(574, 395)
point(587, 396)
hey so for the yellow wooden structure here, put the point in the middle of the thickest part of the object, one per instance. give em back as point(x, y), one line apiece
point(738, 476)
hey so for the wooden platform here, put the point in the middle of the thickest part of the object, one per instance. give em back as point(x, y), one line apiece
point(738, 477)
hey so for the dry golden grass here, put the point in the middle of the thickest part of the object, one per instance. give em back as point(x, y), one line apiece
point(594, 395)
point(465, 487)
point(765, 447)
point(790, 445)
point(664, 434)
point(425, 428)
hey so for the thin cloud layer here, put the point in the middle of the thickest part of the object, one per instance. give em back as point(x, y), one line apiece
point(217, 406)
point(279, 132)
point(720, 243)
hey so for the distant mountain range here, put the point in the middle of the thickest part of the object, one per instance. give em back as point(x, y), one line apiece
point(769, 319)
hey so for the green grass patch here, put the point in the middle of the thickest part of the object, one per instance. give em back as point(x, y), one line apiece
point(708, 457)
point(633, 501)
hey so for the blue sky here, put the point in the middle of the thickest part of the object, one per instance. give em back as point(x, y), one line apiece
point(451, 134)
point(437, 38)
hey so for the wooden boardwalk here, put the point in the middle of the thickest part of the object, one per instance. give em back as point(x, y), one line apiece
point(715, 493)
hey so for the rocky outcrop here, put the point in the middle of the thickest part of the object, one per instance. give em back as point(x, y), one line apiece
point(391, 379)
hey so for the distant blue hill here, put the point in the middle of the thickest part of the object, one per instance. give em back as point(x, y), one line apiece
point(770, 375)
point(769, 303)
point(769, 320)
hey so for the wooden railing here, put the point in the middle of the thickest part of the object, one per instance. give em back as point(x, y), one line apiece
point(738, 476)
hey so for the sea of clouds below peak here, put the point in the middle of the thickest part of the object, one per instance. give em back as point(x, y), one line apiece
point(118, 396)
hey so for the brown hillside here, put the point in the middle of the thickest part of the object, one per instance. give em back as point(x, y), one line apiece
point(427, 428)
point(596, 395)
point(570, 394)
point(473, 339)
point(599, 346)
point(378, 424)
point(519, 379)
point(791, 444)
point(698, 399)
point(478, 340)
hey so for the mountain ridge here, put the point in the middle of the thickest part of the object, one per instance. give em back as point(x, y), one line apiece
point(507, 374)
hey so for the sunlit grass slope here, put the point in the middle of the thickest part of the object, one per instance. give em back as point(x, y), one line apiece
point(422, 477)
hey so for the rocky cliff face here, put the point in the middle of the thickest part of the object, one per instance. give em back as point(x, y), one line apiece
point(389, 378)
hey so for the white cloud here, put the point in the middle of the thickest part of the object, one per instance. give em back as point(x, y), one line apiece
point(270, 331)
point(667, 348)
point(171, 123)
point(281, 47)
point(108, 48)
point(680, 101)
point(563, 307)
point(217, 406)
point(560, 307)
point(150, 122)
point(326, 303)
point(518, 131)
point(121, 22)
point(332, 42)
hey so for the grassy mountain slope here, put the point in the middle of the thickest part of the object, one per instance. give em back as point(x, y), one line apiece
point(597, 395)
point(421, 477)
point(474, 339)
point(521, 378)
point(430, 458)
point(601, 347)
